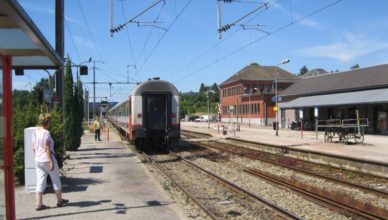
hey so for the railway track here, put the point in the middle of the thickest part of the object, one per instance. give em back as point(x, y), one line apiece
point(237, 195)
point(286, 162)
point(362, 209)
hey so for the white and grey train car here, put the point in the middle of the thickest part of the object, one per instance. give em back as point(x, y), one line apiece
point(150, 114)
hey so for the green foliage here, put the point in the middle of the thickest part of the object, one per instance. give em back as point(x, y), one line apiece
point(355, 66)
point(303, 70)
point(255, 64)
point(196, 102)
point(26, 110)
point(78, 112)
point(74, 109)
point(24, 116)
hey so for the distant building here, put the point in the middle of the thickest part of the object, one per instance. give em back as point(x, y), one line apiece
point(339, 95)
point(247, 96)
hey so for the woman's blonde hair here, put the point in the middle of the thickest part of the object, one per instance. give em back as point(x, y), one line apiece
point(44, 119)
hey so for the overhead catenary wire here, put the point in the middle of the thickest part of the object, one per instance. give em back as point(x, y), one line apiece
point(218, 43)
point(164, 34)
point(128, 36)
point(261, 38)
point(90, 33)
point(148, 38)
point(72, 40)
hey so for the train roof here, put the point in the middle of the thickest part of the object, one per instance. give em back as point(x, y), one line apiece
point(155, 85)
point(152, 85)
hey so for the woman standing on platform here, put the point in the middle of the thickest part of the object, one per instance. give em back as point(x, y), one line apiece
point(45, 162)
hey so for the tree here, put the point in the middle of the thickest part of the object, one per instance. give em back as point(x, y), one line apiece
point(78, 115)
point(303, 70)
point(70, 132)
point(255, 64)
point(202, 88)
point(355, 66)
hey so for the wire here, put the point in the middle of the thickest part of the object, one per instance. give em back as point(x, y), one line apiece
point(148, 38)
point(72, 40)
point(161, 39)
point(217, 44)
point(90, 33)
point(262, 38)
point(128, 37)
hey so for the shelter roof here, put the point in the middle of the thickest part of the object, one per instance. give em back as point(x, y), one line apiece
point(353, 80)
point(21, 39)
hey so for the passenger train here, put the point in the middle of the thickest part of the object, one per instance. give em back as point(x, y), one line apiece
point(150, 114)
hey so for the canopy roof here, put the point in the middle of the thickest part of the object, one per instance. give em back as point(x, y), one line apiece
point(21, 39)
point(339, 99)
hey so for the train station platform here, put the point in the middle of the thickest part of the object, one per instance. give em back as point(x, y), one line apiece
point(372, 155)
point(103, 180)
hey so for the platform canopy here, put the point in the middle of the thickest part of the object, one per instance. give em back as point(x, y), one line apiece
point(21, 39)
point(337, 99)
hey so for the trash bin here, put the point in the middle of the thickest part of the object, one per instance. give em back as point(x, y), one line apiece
point(274, 124)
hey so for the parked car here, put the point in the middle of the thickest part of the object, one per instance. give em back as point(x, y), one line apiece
point(203, 118)
point(193, 117)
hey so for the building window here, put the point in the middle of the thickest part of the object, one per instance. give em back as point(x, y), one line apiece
point(254, 88)
point(246, 89)
point(262, 86)
point(269, 87)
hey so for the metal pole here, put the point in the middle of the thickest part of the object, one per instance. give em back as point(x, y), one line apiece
point(208, 110)
point(59, 47)
point(219, 18)
point(276, 103)
point(94, 89)
point(249, 106)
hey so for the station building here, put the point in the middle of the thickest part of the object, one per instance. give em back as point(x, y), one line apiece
point(247, 96)
point(338, 96)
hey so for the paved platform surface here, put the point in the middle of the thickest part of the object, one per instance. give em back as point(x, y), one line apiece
point(103, 180)
point(375, 147)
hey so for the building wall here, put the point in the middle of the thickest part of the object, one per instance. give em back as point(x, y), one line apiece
point(249, 106)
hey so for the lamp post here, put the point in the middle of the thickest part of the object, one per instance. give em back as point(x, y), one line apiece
point(79, 65)
point(276, 96)
point(94, 86)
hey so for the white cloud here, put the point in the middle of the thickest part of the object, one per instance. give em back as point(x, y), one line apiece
point(348, 48)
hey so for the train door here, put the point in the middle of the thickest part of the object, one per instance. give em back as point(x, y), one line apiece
point(156, 107)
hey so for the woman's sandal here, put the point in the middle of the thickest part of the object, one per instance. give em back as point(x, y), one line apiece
point(63, 202)
point(41, 207)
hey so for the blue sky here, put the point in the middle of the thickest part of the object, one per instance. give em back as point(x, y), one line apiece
point(190, 53)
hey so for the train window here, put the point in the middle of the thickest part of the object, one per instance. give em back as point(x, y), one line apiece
point(2, 186)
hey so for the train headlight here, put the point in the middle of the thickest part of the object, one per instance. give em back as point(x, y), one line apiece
point(139, 115)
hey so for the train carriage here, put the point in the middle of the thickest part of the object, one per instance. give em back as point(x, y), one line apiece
point(150, 114)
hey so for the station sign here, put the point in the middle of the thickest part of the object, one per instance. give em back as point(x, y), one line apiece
point(316, 112)
point(301, 113)
point(274, 99)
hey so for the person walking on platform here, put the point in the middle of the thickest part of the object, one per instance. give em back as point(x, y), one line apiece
point(97, 128)
point(45, 162)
